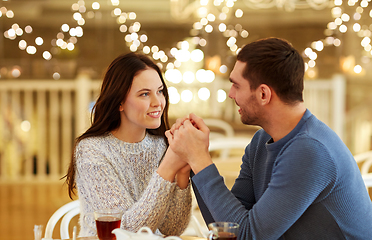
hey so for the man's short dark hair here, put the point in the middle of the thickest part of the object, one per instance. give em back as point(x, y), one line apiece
point(274, 62)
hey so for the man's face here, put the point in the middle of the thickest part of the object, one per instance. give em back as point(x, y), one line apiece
point(243, 96)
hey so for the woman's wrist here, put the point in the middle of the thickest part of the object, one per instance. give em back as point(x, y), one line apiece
point(183, 180)
point(166, 173)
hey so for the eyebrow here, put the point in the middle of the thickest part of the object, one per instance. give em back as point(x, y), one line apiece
point(149, 90)
point(232, 81)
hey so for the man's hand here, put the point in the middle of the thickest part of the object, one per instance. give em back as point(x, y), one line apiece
point(189, 139)
point(179, 122)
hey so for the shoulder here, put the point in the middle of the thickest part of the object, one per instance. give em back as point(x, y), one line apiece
point(95, 147)
point(93, 141)
point(307, 160)
point(315, 137)
point(307, 146)
point(307, 155)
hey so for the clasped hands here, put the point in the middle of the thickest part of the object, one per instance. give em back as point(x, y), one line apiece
point(188, 149)
point(189, 139)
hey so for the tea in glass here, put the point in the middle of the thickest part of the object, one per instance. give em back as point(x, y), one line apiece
point(223, 231)
point(106, 221)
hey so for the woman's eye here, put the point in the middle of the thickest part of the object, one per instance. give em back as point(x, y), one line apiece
point(145, 94)
point(161, 91)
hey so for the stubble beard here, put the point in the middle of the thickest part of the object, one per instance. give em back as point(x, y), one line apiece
point(250, 117)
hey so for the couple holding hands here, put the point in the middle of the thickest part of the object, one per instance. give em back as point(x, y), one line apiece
point(298, 180)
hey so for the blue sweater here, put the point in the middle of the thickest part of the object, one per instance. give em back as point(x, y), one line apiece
point(307, 185)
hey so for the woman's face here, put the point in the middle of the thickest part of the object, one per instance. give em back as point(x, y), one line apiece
point(145, 102)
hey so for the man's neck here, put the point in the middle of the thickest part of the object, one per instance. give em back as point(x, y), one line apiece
point(283, 119)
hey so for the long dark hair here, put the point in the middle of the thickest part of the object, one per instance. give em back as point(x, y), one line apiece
point(105, 115)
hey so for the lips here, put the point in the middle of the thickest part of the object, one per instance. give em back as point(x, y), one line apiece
point(240, 109)
point(155, 114)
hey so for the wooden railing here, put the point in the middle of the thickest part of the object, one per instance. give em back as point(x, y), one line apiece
point(326, 99)
point(58, 111)
point(39, 121)
point(359, 125)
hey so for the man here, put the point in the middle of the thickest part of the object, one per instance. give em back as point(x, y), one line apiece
point(298, 180)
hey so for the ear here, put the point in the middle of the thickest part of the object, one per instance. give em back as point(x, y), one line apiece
point(264, 94)
point(121, 108)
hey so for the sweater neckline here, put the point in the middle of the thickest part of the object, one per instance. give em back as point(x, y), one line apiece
point(279, 144)
point(145, 143)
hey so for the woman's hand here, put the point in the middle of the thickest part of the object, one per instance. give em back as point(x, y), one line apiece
point(171, 165)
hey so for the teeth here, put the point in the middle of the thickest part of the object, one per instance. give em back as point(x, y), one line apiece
point(154, 113)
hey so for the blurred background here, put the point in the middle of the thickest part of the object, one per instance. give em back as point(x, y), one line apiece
point(53, 55)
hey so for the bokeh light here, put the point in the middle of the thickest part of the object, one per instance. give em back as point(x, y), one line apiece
point(186, 96)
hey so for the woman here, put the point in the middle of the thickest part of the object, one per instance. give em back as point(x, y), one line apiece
point(122, 160)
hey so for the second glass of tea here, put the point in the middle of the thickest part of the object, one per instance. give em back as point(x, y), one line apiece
point(223, 231)
point(106, 221)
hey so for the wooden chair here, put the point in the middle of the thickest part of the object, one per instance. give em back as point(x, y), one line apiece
point(214, 124)
point(228, 165)
point(364, 161)
point(228, 143)
point(65, 214)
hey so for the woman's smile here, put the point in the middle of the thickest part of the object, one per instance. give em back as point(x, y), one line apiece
point(155, 114)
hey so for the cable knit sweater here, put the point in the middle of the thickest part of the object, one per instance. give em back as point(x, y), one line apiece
point(113, 173)
point(305, 186)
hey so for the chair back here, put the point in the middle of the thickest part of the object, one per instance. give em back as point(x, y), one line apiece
point(65, 214)
point(227, 129)
point(364, 161)
point(229, 164)
point(228, 143)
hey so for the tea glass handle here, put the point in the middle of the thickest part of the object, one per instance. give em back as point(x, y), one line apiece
point(211, 235)
point(86, 219)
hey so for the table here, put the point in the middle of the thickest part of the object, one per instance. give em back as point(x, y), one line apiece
point(182, 237)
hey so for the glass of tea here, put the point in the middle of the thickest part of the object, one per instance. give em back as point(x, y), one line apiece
point(106, 221)
point(223, 231)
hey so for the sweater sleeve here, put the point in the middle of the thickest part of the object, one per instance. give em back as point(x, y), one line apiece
point(99, 187)
point(178, 215)
point(303, 174)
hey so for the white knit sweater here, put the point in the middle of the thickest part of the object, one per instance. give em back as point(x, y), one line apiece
point(112, 173)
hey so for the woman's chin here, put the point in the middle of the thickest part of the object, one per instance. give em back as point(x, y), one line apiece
point(154, 126)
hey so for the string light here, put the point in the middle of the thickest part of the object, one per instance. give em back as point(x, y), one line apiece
point(221, 95)
point(186, 96)
point(209, 21)
point(339, 26)
point(204, 93)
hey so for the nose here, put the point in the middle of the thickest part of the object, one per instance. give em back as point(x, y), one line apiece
point(231, 93)
point(156, 100)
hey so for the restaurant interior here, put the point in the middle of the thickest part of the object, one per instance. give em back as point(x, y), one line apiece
point(53, 55)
